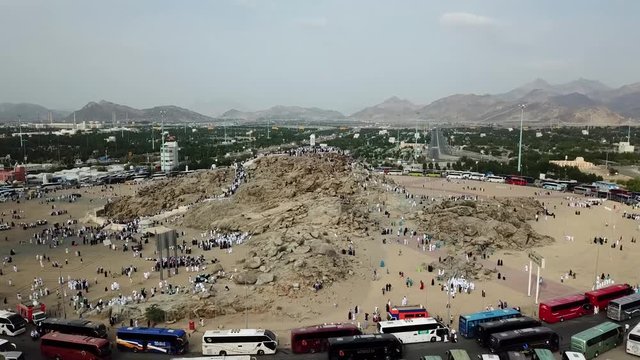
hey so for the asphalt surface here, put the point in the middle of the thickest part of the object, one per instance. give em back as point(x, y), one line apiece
point(411, 352)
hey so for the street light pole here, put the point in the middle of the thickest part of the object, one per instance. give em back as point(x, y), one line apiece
point(522, 106)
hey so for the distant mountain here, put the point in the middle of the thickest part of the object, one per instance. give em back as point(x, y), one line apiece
point(285, 114)
point(28, 113)
point(104, 111)
point(573, 101)
point(392, 108)
point(458, 108)
point(580, 102)
point(582, 86)
point(519, 92)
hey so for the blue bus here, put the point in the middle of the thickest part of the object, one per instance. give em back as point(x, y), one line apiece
point(153, 340)
point(469, 323)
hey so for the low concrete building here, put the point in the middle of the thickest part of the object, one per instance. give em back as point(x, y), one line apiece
point(578, 162)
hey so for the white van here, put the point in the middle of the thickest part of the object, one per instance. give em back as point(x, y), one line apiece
point(495, 179)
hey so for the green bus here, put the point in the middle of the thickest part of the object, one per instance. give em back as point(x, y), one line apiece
point(457, 354)
point(598, 339)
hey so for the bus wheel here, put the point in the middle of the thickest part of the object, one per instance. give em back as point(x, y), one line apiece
point(596, 354)
point(433, 339)
point(260, 352)
point(58, 357)
point(223, 353)
point(312, 350)
point(561, 319)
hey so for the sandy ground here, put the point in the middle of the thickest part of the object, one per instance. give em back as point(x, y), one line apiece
point(334, 302)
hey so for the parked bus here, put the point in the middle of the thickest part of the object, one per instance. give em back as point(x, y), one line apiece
point(6, 346)
point(515, 340)
point(624, 308)
point(415, 330)
point(633, 341)
point(407, 312)
point(237, 357)
point(454, 175)
point(598, 339)
point(73, 327)
point(564, 308)
point(468, 324)
point(58, 346)
point(532, 354)
point(542, 354)
point(581, 190)
point(602, 297)
point(605, 185)
point(11, 323)
point(365, 347)
point(484, 331)
point(239, 342)
point(153, 340)
point(313, 339)
point(430, 357)
point(457, 354)
point(516, 180)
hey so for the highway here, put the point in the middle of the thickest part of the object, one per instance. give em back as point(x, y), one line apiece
point(411, 352)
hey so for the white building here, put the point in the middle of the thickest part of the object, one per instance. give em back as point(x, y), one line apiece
point(312, 140)
point(625, 147)
point(169, 156)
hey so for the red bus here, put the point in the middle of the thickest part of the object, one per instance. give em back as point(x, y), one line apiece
point(55, 345)
point(315, 338)
point(564, 308)
point(602, 297)
point(407, 312)
point(516, 180)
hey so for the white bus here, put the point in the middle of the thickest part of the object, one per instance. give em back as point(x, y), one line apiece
point(633, 341)
point(454, 175)
point(624, 308)
point(477, 176)
point(11, 323)
point(239, 342)
point(415, 330)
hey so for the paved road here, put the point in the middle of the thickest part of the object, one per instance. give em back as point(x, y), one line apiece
point(412, 352)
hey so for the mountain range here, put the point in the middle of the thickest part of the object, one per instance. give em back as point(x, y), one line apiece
point(580, 102)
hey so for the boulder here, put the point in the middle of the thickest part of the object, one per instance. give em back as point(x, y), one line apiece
point(245, 278)
point(265, 278)
point(254, 263)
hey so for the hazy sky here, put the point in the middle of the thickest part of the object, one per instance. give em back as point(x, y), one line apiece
point(343, 54)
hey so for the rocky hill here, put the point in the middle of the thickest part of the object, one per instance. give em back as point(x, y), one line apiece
point(104, 111)
point(170, 194)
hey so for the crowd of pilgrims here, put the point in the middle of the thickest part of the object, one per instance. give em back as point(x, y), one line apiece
point(216, 238)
